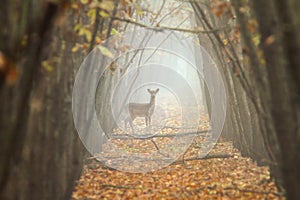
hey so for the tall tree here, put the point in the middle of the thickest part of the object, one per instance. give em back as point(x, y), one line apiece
point(41, 155)
point(279, 42)
point(282, 61)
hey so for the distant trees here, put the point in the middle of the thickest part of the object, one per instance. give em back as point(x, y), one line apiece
point(243, 125)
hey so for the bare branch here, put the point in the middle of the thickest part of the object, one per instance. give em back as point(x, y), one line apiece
point(162, 28)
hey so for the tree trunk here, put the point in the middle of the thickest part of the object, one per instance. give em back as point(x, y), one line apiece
point(41, 154)
point(282, 63)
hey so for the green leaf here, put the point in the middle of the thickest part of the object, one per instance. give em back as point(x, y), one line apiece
point(47, 66)
point(77, 27)
point(84, 1)
point(105, 51)
point(81, 31)
point(88, 35)
point(92, 14)
point(114, 31)
point(139, 10)
point(256, 39)
point(103, 14)
point(107, 5)
point(75, 49)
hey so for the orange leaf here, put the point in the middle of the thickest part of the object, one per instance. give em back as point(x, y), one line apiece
point(12, 76)
point(270, 40)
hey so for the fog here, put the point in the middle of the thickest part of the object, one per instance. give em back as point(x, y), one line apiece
point(117, 95)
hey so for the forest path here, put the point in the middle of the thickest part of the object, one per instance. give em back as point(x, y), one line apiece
point(234, 177)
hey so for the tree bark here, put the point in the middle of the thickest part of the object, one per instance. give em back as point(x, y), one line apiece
point(282, 62)
point(41, 154)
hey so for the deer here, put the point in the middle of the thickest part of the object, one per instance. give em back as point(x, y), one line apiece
point(142, 110)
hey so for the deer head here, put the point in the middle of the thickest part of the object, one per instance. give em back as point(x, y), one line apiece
point(153, 92)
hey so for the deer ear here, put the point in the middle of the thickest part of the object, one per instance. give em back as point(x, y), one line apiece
point(157, 90)
point(149, 90)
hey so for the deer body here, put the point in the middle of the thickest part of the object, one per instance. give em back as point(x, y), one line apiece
point(142, 110)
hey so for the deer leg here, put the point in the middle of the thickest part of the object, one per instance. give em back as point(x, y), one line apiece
point(150, 123)
point(146, 120)
point(125, 125)
point(131, 124)
point(126, 121)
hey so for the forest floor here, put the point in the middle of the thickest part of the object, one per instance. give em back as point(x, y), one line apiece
point(234, 177)
point(224, 174)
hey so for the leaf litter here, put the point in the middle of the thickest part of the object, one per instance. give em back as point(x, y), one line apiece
point(225, 176)
point(235, 177)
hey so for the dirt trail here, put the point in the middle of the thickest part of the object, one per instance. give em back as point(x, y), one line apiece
point(234, 177)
